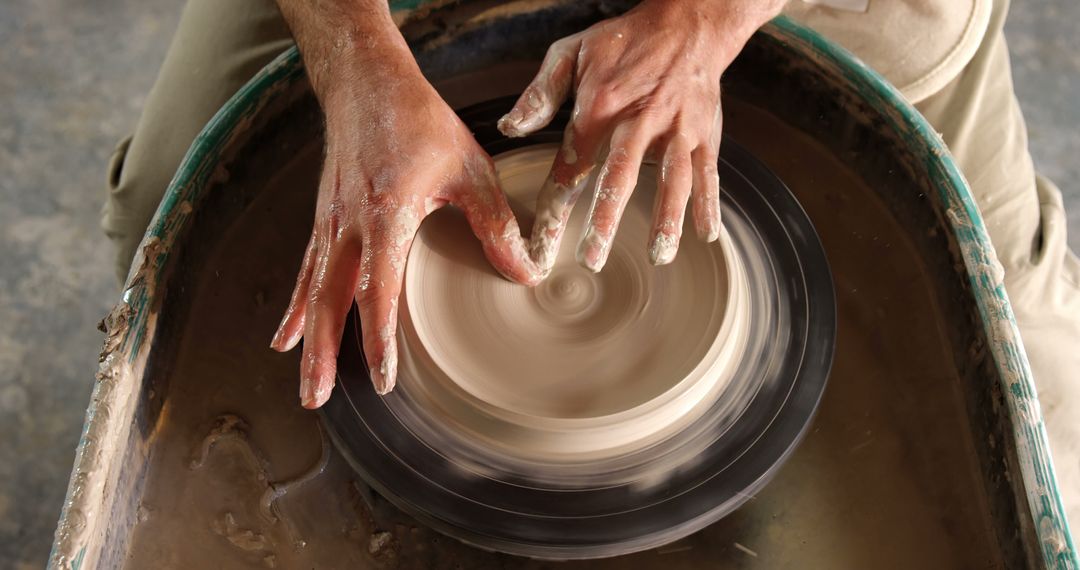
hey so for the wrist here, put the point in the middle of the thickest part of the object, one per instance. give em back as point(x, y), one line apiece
point(346, 44)
point(748, 15)
point(360, 70)
point(728, 23)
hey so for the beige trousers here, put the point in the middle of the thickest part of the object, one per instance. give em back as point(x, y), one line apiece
point(220, 45)
point(979, 117)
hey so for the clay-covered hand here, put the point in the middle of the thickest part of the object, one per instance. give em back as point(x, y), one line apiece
point(646, 86)
point(394, 153)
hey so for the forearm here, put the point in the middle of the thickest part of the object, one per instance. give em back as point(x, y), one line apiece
point(344, 41)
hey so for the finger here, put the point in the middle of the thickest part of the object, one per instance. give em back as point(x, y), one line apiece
point(542, 98)
point(292, 324)
point(706, 191)
point(673, 187)
point(494, 224)
point(706, 195)
point(329, 298)
point(616, 182)
point(382, 268)
point(569, 173)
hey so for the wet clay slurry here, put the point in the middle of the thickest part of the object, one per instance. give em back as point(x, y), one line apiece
point(886, 476)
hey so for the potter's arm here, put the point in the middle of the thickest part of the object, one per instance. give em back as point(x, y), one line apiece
point(646, 85)
point(394, 153)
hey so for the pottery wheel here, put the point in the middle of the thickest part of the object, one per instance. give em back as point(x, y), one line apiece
point(594, 414)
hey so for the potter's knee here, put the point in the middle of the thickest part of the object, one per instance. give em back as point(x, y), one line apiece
point(133, 194)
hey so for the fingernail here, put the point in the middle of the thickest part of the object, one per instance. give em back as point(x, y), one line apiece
point(711, 230)
point(510, 124)
point(385, 376)
point(663, 249)
point(286, 344)
point(543, 253)
point(307, 393)
point(276, 342)
point(280, 342)
point(592, 252)
point(323, 388)
point(316, 387)
point(534, 99)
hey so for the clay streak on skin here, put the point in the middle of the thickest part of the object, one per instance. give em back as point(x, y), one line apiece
point(511, 234)
point(546, 92)
point(387, 369)
point(388, 366)
point(606, 195)
point(594, 241)
point(663, 248)
point(569, 153)
point(553, 210)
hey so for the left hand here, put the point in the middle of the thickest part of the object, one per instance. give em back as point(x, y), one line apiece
point(647, 85)
point(395, 152)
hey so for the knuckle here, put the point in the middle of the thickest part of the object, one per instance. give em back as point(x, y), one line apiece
point(555, 51)
point(675, 171)
point(562, 47)
point(581, 120)
point(608, 197)
point(602, 105)
point(320, 300)
point(378, 203)
point(333, 219)
point(709, 159)
point(618, 163)
point(366, 300)
point(386, 178)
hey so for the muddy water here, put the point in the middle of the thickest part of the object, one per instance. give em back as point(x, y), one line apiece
point(886, 478)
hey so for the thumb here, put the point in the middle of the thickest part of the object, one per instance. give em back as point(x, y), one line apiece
point(542, 98)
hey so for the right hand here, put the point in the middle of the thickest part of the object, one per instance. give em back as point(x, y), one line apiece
point(395, 152)
point(646, 84)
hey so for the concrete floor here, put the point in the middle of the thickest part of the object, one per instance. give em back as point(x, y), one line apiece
point(1045, 52)
point(73, 81)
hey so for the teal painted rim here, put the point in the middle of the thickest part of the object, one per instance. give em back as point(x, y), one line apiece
point(199, 164)
point(986, 278)
point(190, 182)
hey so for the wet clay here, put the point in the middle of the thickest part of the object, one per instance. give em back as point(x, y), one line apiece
point(885, 478)
point(585, 365)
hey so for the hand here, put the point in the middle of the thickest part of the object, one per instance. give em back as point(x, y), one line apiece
point(647, 85)
point(395, 152)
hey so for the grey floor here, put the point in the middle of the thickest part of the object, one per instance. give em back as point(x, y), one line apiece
point(72, 80)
